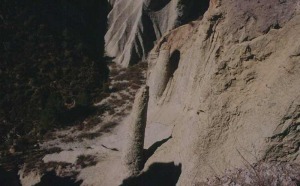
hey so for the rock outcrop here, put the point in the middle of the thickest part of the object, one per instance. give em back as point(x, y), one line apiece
point(162, 74)
point(134, 26)
point(235, 94)
point(134, 152)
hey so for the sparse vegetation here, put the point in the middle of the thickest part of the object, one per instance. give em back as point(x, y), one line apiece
point(53, 76)
point(51, 71)
point(51, 65)
point(116, 104)
point(86, 161)
point(133, 74)
point(260, 174)
point(108, 126)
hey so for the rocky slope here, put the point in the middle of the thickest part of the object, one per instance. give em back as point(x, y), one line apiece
point(232, 88)
point(91, 149)
point(134, 26)
point(224, 93)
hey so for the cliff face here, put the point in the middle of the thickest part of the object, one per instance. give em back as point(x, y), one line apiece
point(134, 26)
point(233, 89)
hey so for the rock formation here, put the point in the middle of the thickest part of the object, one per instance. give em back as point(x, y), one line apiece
point(134, 152)
point(134, 26)
point(161, 74)
point(225, 87)
point(235, 93)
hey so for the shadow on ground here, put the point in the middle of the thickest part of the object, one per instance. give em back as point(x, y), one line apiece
point(151, 150)
point(51, 179)
point(9, 178)
point(158, 174)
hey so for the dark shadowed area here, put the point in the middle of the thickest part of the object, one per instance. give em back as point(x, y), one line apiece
point(52, 65)
point(151, 150)
point(193, 10)
point(9, 178)
point(158, 174)
point(174, 62)
point(51, 179)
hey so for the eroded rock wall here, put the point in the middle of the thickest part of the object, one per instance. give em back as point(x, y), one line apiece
point(134, 25)
point(235, 94)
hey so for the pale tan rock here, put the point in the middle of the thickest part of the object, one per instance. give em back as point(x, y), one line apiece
point(133, 157)
point(135, 25)
point(235, 89)
point(161, 74)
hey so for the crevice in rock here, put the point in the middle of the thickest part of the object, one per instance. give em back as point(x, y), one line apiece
point(149, 33)
point(194, 10)
point(156, 5)
point(148, 37)
point(274, 26)
point(174, 62)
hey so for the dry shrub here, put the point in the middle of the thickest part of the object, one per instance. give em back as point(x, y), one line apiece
point(133, 73)
point(122, 76)
point(135, 86)
point(46, 167)
point(129, 107)
point(111, 112)
point(125, 96)
point(89, 135)
point(53, 150)
point(260, 174)
point(68, 139)
point(119, 86)
point(108, 126)
point(116, 102)
point(86, 161)
point(114, 72)
point(91, 122)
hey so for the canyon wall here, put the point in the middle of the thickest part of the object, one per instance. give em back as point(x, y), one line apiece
point(224, 93)
point(233, 96)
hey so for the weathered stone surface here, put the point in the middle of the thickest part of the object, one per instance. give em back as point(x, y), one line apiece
point(134, 152)
point(134, 25)
point(236, 89)
point(161, 74)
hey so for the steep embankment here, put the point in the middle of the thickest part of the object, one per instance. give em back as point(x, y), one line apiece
point(232, 88)
point(134, 26)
